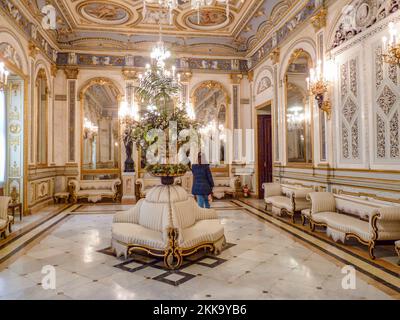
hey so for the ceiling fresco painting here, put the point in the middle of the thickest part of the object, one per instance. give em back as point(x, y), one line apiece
point(120, 24)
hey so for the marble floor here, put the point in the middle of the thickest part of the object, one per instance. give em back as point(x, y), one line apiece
point(263, 262)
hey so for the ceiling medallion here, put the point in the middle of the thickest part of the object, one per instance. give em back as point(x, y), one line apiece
point(210, 19)
point(104, 13)
point(170, 5)
point(197, 5)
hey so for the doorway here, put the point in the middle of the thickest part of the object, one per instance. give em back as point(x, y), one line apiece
point(264, 132)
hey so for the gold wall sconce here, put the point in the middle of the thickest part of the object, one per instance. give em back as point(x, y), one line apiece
point(318, 85)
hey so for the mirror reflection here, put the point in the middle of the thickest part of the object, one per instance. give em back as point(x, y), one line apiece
point(210, 106)
point(100, 128)
point(298, 109)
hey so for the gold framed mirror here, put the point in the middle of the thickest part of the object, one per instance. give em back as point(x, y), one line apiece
point(100, 128)
point(298, 109)
point(210, 101)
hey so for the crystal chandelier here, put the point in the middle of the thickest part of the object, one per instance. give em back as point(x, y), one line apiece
point(170, 5)
point(90, 130)
point(391, 47)
point(3, 76)
point(160, 53)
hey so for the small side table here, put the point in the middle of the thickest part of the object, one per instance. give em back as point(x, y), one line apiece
point(13, 206)
point(61, 195)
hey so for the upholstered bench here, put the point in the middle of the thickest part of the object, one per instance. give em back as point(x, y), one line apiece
point(344, 217)
point(94, 190)
point(286, 198)
point(224, 186)
point(167, 223)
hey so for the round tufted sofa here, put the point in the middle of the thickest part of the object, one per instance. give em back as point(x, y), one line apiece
point(167, 223)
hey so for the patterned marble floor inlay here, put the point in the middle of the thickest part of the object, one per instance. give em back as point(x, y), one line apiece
point(140, 261)
point(268, 261)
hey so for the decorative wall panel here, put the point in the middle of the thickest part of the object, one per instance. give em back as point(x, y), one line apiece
point(15, 134)
point(386, 106)
point(349, 117)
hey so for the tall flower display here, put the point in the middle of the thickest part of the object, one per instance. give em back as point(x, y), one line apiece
point(157, 131)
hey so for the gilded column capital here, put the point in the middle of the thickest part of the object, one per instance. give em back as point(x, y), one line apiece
point(186, 76)
point(129, 74)
point(33, 49)
point(71, 73)
point(54, 69)
point(236, 78)
point(250, 75)
point(319, 19)
point(275, 56)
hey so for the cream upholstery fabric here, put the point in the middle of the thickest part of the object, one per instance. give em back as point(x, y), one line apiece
point(159, 194)
point(289, 197)
point(356, 215)
point(94, 189)
point(397, 246)
point(223, 186)
point(149, 182)
point(271, 190)
point(4, 202)
point(130, 216)
point(151, 219)
point(281, 202)
point(130, 233)
point(205, 214)
point(3, 223)
point(202, 231)
point(185, 213)
point(348, 224)
point(322, 201)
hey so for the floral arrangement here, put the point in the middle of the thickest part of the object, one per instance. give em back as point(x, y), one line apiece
point(159, 92)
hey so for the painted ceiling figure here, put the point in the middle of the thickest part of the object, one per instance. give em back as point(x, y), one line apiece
point(105, 12)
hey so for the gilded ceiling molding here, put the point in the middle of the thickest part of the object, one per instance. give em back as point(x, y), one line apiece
point(28, 28)
point(303, 15)
point(279, 11)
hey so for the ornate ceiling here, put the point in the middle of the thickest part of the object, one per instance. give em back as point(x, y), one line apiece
point(102, 25)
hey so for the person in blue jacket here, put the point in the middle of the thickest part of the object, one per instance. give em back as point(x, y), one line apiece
point(203, 182)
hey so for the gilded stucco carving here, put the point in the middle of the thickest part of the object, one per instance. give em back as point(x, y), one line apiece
point(350, 118)
point(386, 107)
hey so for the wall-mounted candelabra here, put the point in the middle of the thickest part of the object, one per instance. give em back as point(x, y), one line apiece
point(318, 85)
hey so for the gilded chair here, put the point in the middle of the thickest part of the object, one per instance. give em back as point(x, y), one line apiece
point(5, 219)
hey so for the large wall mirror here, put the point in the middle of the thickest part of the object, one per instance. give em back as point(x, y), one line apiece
point(210, 102)
point(100, 131)
point(298, 108)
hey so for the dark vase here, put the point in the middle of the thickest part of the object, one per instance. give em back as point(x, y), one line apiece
point(129, 163)
point(167, 180)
